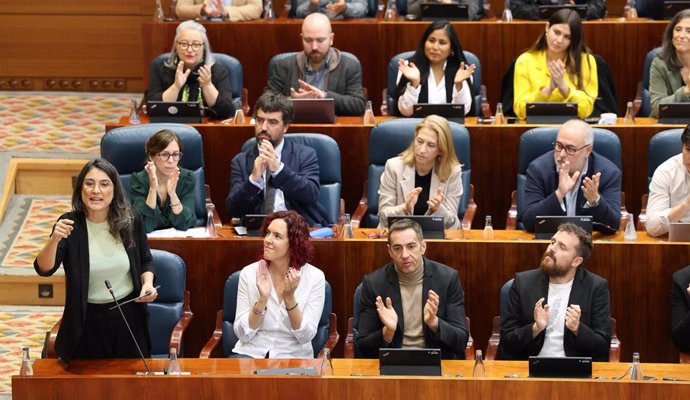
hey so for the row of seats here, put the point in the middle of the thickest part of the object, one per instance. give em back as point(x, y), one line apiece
point(170, 314)
point(124, 148)
point(606, 101)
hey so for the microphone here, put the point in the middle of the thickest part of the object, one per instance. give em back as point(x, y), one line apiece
point(117, 304)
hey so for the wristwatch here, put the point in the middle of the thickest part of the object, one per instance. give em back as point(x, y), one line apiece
point(596, 202)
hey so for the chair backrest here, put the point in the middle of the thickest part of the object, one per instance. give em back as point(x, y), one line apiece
point(503, 299)
point(280, 56)
point(232, 66)
point(537, 141)
point(508, 90)
point(168, 307)
point(606, 101)
point(372, 8)
point(330, 180)
point(124, 148)
point(390, 138)
point(392, 75)
point(662, 146)
point(355, 316)
point(230, 307)
point(646, 107)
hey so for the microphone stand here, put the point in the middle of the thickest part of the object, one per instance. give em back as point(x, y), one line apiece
point(110, 289)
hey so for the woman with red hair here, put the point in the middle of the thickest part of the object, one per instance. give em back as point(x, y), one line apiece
point(280, 298)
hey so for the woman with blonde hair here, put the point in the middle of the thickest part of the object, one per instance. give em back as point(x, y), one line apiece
point(426, 178)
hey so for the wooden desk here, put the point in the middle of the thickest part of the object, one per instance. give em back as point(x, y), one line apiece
point(639, 276)
point(494, 159)
point(210, 378)
point(623, 44)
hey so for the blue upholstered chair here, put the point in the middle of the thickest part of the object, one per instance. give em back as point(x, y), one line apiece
point(330, 180)
point(645, 95)
point(537, 141)
point(390, 138)
point(495, 339)
point(662, 146)
point(169, 314)
point(392, 75)
point(235, 76)
point(224, 334)
point(124, 148)
point(353, 330)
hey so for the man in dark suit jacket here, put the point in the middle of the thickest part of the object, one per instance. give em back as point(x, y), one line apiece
point(276, 174)
point(560, 309)
point(680, 309)
point(320, 71)
point(412, 301)
point(573, 180)
point(529, 9)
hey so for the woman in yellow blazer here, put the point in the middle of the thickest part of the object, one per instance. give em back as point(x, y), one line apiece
point(425, 179)
point(235, 10)
point(557, 68)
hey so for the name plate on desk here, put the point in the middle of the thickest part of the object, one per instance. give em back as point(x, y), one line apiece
point(560, 367)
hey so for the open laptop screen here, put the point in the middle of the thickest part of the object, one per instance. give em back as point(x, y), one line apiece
point(314, 111)
point(545, 226)
point(432, 225)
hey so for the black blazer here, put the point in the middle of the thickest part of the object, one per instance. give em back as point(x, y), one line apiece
point(589, 291)
point(73, 254)
point(680, 309)
point(452, 334)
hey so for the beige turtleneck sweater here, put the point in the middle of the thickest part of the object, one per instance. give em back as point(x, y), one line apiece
point(413, 315)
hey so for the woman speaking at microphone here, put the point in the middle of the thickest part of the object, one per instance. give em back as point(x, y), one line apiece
point(100, 239)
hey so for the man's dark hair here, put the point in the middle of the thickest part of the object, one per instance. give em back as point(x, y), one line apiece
point(403, 224)
point(584, 246)
point(685, 136)
point(272, 102)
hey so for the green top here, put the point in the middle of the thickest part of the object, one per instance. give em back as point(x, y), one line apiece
point(162, 216)
point(665, 86)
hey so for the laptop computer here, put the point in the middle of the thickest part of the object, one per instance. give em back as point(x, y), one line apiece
point(545, 226)
point(679, 232)
point(672, 7)
point(452, 112)
point(252, 223)
point(547, 10)
point(182, 112)
point(419, 362)
point(448, 12)
point(560, 367)
point(314, 111)
point(432, 225)
point(674, 113)
point(550, 113)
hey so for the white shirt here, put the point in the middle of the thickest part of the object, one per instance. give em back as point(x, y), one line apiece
point(670, 186)
point(279, 201)
point(559, 294)
point(436, 94)
point(275, 335)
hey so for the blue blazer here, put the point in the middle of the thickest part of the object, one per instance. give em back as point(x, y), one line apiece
point(542, 182)
point(299, 182)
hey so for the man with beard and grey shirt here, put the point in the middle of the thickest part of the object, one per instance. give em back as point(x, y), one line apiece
point(559, 309)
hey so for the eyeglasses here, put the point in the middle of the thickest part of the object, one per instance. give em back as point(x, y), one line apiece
point(569, 150)
point(195, 45)
point(103, 185)
point(165, 156)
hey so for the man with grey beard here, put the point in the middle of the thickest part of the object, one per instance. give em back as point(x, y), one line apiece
point(559, 309)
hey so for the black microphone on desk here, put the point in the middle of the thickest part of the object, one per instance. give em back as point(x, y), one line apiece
point(110, 289)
